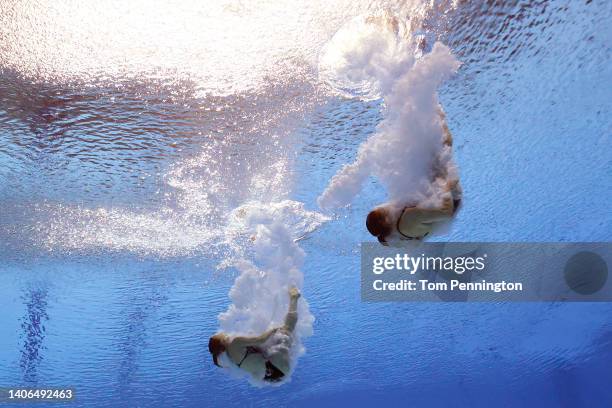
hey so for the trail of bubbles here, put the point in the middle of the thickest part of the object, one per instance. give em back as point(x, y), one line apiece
point(380, 56)
point(260, 294)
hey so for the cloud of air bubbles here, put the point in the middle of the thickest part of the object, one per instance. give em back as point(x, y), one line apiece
point(377, 56)
point(260, 293)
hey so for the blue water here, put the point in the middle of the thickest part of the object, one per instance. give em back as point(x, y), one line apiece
point(126, 322)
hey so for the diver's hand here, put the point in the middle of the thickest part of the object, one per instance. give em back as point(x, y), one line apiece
point(294, 293)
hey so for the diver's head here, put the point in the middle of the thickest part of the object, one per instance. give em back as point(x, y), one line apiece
point(217, 345)
point(378, 224)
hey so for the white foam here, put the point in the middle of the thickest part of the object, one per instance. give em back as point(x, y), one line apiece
point(259, 295)
point(381, 53)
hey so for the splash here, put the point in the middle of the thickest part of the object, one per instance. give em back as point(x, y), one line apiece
point(366, 55)
point(379, 56)
point(260, 294)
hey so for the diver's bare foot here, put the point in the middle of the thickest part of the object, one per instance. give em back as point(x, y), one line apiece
point(294, 292)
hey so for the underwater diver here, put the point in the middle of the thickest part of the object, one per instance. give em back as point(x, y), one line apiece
point(415, 222)
point(265, 357)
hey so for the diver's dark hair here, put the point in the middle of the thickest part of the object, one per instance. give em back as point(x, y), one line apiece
point(377, 223)
point(216, 347)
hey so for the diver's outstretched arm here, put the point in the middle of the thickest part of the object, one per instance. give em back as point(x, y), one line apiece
point(292, 316)
point(426, 215)
point(246, 341)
